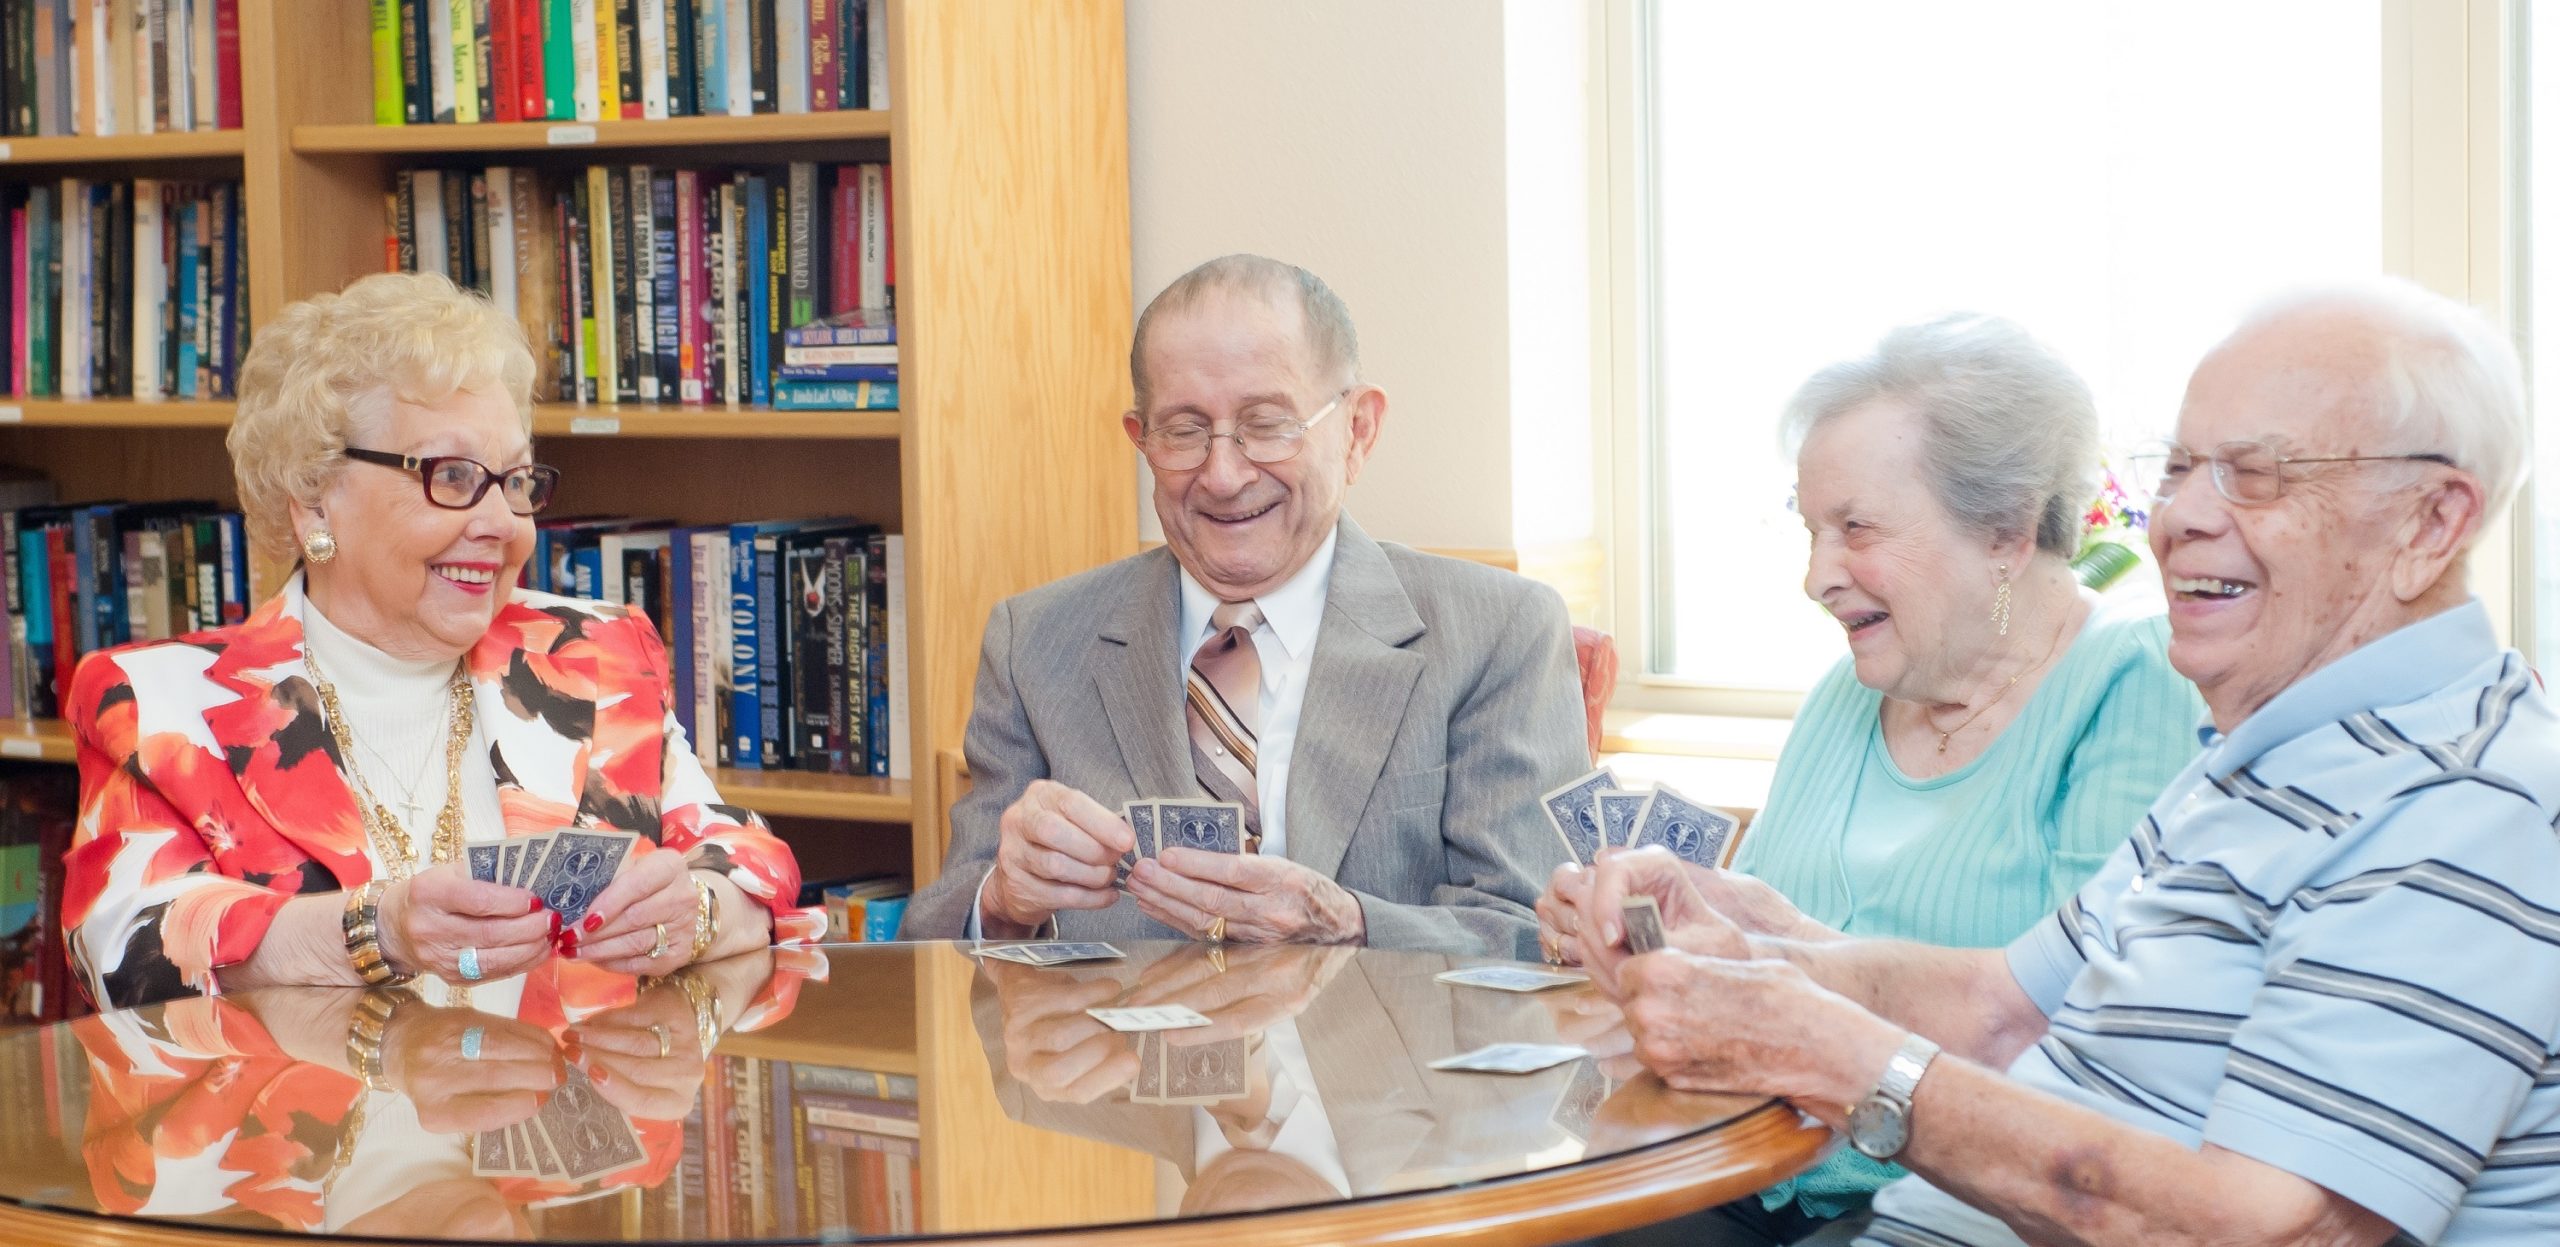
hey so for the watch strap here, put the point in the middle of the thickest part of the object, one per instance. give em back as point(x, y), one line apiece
point(1902, 1072)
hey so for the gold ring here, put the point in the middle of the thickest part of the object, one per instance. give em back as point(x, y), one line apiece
point(659, 949)
point(1218, 929)
point(665, 1046)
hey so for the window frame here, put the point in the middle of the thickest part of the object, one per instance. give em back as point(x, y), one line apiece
point(2452, 80)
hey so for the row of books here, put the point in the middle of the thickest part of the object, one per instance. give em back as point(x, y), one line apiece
point(788, 637)
point(38, 805)
point(136, 288)
point(640, 284)
point(85, 577)
point(773, 1150)
point(465, 61)
point(118, 66)
point(861, 911)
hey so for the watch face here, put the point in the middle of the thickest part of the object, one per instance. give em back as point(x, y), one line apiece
point(1879, 1127)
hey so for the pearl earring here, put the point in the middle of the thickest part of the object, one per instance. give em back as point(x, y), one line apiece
point(318, 546)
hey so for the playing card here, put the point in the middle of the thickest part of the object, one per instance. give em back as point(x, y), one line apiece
point(1057, 954)
point(1644, 925)
point(1208, 826)
point(490, 1155)
point(545, 1159)
point(578, 867)
point(1142, 822)
point(1620, 811)
point(592, 1137)
point(1509, 978)
point(510, 856)
point(520, 1145)
point(1149, 1018)
point(1581, 1099)
point(1572, 811)
point(1693, 833)
point(1510, 1058)
point(483, 860)
point(1192, 1074)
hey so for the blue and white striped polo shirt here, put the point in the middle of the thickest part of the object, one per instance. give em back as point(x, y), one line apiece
point(2333, 945)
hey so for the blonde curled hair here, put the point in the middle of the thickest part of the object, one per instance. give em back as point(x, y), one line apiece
point(328, 369)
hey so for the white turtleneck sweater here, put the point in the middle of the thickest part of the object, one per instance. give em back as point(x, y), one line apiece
point(396, 711)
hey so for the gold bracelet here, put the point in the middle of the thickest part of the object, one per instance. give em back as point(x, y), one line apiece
point(704, 1000)
point(363, 925)
point(706, 918)
point(365, 1031)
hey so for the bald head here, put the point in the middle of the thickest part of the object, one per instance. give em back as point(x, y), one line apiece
point(1332, 345)
point(2431, 374)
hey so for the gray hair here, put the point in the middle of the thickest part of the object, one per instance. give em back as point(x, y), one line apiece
point(1332, 344)
point(2448, 381)
point(2010, 432)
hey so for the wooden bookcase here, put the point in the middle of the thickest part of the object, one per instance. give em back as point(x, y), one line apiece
point(1009, 137)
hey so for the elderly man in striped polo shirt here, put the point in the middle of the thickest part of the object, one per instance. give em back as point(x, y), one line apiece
point(2314, 997)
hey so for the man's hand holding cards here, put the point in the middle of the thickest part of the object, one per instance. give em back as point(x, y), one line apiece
point(1190, 871)
point(1056, 849)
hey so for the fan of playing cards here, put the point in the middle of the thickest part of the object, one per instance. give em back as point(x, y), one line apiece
point(566, 868)
point(1595, 812)
point(1180, 823)
point(576, 1138)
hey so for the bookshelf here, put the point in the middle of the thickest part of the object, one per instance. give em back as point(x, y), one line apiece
point(1008, 131)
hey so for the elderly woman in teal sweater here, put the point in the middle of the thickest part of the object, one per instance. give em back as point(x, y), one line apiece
point(1995, 730)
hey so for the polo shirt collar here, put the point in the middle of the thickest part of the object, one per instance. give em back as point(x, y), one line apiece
point(2394, 669)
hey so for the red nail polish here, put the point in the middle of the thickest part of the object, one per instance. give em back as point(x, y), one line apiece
point(555, 926)
point(593, 921)
point(569, 942)
point(600, 1075)
point(536, 907)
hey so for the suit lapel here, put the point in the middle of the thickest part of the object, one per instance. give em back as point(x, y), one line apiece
point(280, 750)
point(1356, 693)
point(1134, 660)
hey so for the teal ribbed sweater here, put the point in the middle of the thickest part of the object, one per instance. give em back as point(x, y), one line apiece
point(1972, 858)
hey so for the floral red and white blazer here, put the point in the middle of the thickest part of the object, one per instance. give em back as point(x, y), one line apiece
point(211, 792)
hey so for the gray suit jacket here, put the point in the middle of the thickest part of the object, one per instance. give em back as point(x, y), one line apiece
point(1441, 702)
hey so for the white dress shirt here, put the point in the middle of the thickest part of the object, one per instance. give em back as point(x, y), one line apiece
point(1305, 1132)
point(1285, 641)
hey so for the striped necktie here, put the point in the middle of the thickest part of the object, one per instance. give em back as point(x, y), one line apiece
point(1222, 704)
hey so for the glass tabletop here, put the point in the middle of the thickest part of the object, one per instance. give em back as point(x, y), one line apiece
point(859, 1091)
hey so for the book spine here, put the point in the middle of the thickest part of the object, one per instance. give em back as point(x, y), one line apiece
point(777, 277)
point(844, 252)
point(475, 256)
point(500, 202)
point(115, 297)
point(206, 70)
point(640, 256)
point(836, 396)
point(876, 654)
point(625, 307)
point(41, 80)
point(746, 708)
point(652, 73)
point(876, 354)
point(663, 261)
point(456, 186)
point(601, 226)
point(608, 60)
point(531, 60)
point(678, 620)
point(791, 56)
point(815, 732)
point(150, 281)
point(834, 372)
point(760, 58)
point(689, 300)
point(826, 70)
point(45, 223)
point(462, 32)
point(754, 269)
point(504, 89)
point(801, 258)
point(894, 565)
point(740, 56)
point(439, 52)
point(773, 648)
point(417, 99)
point(850, 19)
point(176, 99)
point(729, 294)
point(874, 237)
point(684, 28)
point(587, 65)
point(228, 113)
point(122, 93)
point(388, 100)
point(559, 60)
point(711, 52)
point(580, 283)
point(183, 381)
point(875, 41)
point(843, 718)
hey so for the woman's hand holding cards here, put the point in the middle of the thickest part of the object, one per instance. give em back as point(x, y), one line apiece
point(642, 922)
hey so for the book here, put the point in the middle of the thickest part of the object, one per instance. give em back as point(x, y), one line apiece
point(389, 98)
point(872, 326)
point(836, 396)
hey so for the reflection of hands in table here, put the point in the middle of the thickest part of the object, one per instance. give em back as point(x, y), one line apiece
point(1597, 1024)
point(1241, 990)
point(450, 1208)
point(426, 1057)
point(1053, 1047)
point(645, 1057)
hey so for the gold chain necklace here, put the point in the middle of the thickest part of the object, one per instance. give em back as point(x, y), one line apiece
point(1949, 734)
point(390, 842)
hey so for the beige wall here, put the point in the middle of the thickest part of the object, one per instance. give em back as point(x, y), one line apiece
point(1365, 140)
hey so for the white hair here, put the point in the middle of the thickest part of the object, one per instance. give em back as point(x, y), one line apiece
point(2009, 432)
point(2448, 381)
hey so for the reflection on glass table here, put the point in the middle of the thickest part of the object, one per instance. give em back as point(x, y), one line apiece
point(855, 1092)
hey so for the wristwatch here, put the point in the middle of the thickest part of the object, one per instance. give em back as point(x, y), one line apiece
point(1880, 1125)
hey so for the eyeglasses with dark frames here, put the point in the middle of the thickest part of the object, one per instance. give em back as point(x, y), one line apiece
point(457, 483)
point(2247, 473)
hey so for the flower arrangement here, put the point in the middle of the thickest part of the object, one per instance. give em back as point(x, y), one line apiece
point(2113, 544)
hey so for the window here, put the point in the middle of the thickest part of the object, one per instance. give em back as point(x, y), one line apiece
point(2540, 184)
point(2123, 180)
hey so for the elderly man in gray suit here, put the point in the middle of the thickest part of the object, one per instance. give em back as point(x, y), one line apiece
point(1386, 719)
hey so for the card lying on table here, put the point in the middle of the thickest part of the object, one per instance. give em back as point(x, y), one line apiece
point(1049, 954)
point(1509, 978)
point(1149, 1018)
point(1510, 1058)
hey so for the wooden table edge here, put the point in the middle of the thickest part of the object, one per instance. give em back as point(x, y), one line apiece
point(1620, 1192)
